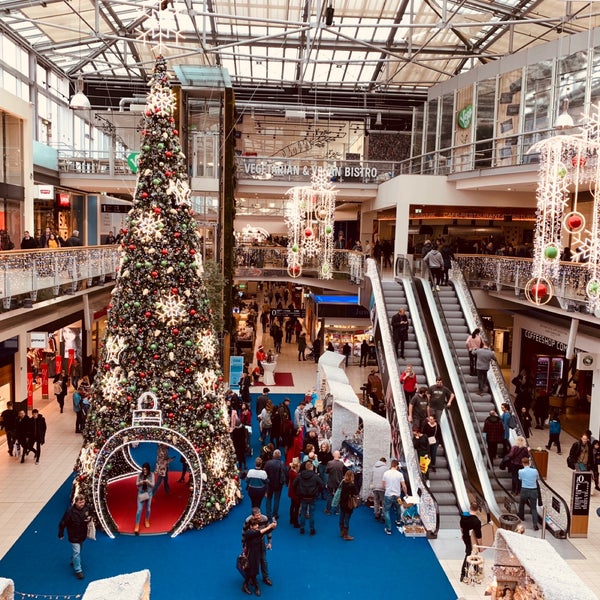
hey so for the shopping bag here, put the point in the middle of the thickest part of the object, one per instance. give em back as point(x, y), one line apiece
point(91, 530)
point(424, 463)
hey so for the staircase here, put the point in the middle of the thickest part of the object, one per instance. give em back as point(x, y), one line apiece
point(441, 485)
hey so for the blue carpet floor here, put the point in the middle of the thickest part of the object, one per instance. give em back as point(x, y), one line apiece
point(201, 564)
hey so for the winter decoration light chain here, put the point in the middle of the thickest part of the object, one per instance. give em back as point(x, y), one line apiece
point(309, 217)
point(568, 164)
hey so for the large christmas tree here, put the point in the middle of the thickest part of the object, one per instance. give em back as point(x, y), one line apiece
point(160, 344)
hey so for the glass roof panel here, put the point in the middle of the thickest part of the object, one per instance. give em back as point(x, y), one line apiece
point(275, 42)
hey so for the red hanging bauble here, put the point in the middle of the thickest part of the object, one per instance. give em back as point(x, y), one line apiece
point(574, 222)
point(539, 290)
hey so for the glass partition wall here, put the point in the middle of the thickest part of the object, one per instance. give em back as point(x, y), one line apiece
point(495, 121)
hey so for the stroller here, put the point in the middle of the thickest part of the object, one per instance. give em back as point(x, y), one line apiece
point(310, 354)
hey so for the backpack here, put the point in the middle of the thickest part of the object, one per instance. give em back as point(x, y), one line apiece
point(512, 421)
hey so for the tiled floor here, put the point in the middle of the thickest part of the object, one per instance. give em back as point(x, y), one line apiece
point(27, 487)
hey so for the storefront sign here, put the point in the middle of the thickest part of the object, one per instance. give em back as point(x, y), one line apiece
point(298, 313)
point(44, 192)
point(546, 341)
point(581, 492)
point(38, 339)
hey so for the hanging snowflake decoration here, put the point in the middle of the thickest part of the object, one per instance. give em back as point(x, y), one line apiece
point(207, 345)
point(311, 248)
point(114, 346)
point(161, 24)
point(171, 310)
point(148, 228)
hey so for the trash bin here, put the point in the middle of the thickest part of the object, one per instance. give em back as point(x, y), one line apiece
point(510, 522)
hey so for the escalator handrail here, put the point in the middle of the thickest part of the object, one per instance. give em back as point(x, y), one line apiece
point(561, 517)
point(428, 507)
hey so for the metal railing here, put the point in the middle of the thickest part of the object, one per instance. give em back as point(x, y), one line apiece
point(505, 272)
point(25, 273)
point(256, 262)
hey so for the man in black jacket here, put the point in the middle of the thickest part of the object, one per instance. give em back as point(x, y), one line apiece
point(9, 423)
point(308, 486)
point(23, 433)
point(38, 434)
point(75, 520)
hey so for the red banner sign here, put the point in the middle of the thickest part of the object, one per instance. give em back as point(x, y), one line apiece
point(29, 390)
point(58, 364)
point(71, 352)
point(44, 370)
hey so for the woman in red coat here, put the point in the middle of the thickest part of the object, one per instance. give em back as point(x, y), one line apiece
point(295, 450)
point(294, 498)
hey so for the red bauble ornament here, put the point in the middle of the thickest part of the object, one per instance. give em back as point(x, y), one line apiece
point(177, 234)
point(157, 210)
point(188, 371)
point(174, 291)
point(174, 396)
point(95, 450)
point(164, 252)
point(574, 222)
point(176, 132)
point(144, 194)
point(142, 374)
point(107, 366)
point(308, 232)
point(207, 406)
point(132, 246)
point(171, 415)
point(147, 314)
point(295, 269)
point(168, 154)
point(156, 356)
point(168, 173)
point(192, 251)
point(539, 290)
point(192, 312)
point(579, 161)
point(175, 331)
point(154, 274)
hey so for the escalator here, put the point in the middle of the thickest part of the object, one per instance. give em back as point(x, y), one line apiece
point(455, 315)
point(481, 404)
point(398, 294)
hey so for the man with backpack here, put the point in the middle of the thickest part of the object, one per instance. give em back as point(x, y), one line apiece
point(435, 261)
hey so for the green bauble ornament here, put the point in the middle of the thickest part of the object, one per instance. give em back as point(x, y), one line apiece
point(160, 145)
point(138, 348)
point(295, 248)
point(138, 265)
point(188, 343)
point(126, 305)
point(212, 499)
point(170, 345)
point(197, 424)
point(163, 263)
point(183, 226)
point(122, 424)
point(136, 304)
point(156, 181)
point(551, 252)
point(166, 384)
point(146, 147)
point(328, 229)
point(182, 264)
point(147, 264)
point(208, 505)
point(562, 171)
point(153, 346)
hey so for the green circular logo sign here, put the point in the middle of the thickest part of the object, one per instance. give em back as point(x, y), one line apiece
point(465, 116)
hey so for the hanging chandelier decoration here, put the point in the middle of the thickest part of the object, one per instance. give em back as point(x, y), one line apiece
point(568, 164)
point(309, 218)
